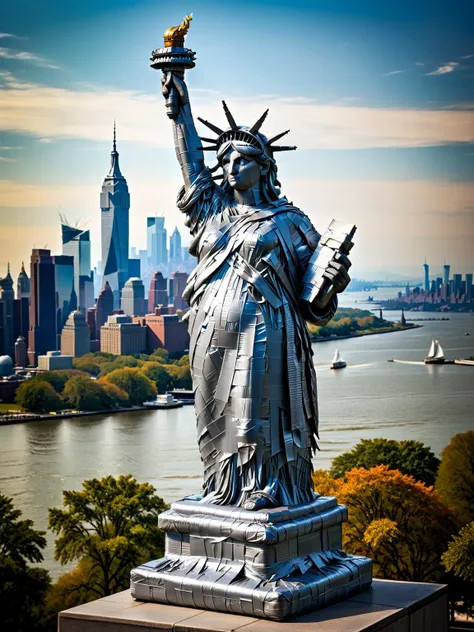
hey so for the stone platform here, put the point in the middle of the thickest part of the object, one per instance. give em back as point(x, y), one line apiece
point(385, 607)
point(273, 563)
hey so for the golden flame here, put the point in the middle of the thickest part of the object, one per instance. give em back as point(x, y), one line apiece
point(174, 36)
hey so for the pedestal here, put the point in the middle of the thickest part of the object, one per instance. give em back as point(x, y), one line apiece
point(272, 563)
point(387, 606)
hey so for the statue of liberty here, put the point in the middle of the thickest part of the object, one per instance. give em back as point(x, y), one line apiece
point(250, 352)
point(259, 541)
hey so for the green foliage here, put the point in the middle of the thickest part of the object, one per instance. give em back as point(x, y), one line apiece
point(409, 457)
point(159, 374)
point(138, 387)
point(455, 481)
point(92, 362)
point(23, 588)
point(57, 378)
point(120, 362)
point(459, 558)
point(37, 396)
point(85, 394)
point(110, 526)
point(160, 355)
point(348, 321)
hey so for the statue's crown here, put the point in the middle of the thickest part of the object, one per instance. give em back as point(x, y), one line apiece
point(249, 135)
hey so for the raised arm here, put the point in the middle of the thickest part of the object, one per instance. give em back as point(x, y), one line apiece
point(186, 140)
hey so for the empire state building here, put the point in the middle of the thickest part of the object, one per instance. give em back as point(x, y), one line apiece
point(115, 206)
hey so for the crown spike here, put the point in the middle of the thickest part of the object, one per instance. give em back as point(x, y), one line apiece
point(283, 148)
point(277, 137)
point(208, 140)
point(211, 126)
point(229, 116)
point(256, 126)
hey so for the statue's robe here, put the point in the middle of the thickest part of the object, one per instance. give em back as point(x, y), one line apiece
point(250, 350)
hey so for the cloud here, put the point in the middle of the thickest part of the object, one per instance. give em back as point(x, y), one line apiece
point(467, 57)
point(37, 60)
point(10, 35)
point(396, 72)
point(60, 113)
point(3, 159)
point(444, 69)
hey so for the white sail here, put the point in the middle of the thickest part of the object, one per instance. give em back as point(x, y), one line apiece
point(432, 351)
point(439, 350)
point(337, 357)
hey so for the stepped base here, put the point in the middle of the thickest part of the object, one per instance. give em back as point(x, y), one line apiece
point(272, 563)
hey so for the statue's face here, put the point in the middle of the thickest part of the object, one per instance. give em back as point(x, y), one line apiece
point(242, 172)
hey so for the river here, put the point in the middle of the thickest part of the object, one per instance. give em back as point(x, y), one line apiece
point(370, 398)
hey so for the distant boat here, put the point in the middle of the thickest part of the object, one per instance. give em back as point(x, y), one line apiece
point(164, 401)
point(337, 361)
point(467, 333)
point(435, 354)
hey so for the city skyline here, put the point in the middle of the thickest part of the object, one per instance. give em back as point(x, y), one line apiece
point(380, 108)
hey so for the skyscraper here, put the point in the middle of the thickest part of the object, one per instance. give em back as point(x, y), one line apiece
point(75, 338)
point(23, 286)
point(66, 300)
point(426, 269)
point(158, 294)
point(175, 247)
point(77, 244)
point(115, 206)
point(468, 288)
point(446, 269)
point(7, 312)
point(42, 334)
point(133, 298)
point(457, 280)
point(156, 242)
point(177, 283)
point(105, 307)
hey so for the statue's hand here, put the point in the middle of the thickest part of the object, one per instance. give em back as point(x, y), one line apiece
point(338, 279)
point(337, 274)
point(175, 92)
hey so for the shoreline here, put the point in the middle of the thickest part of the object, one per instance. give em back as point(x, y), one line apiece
point(366, 333)
point(27, 418)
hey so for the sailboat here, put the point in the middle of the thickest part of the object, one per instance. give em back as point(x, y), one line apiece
point(435, 354)
point(337, 361)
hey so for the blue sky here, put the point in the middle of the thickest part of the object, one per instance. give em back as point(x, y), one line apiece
point(379, 97)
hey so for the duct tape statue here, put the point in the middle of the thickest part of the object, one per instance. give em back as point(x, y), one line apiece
point(259, 540)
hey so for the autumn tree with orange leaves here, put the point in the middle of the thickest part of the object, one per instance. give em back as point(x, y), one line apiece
point(400, 523)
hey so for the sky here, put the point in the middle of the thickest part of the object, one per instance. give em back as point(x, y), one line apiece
point(378, 95)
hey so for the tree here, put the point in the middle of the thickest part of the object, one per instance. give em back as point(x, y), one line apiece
point(459, 558)
point(455, 481)
point(38, 397)
point(138, 387)
point(57, 378)
point(459, 562)
point(120, 362)
point(116, 397)
point(409, 457)
point(110, 527)
point(85, 394)
point(398, 521)
point(158, 374)
point(23, 588)
point(160, 355)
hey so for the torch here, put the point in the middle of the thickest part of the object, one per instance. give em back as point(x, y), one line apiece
point(174, 58)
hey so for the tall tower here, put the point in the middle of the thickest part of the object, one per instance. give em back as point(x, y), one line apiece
point(22, 304)
point(156, 242)
point(75, 340)
point(446, 269)
point(66, 300)
point(115, 206)
point(105, 307)
point(426, 268)
point(42, 334)
point(23, 286)
point(7, 309)
point(133, 298)
point(158, 293)
point(77, 244)
point(175, 247)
